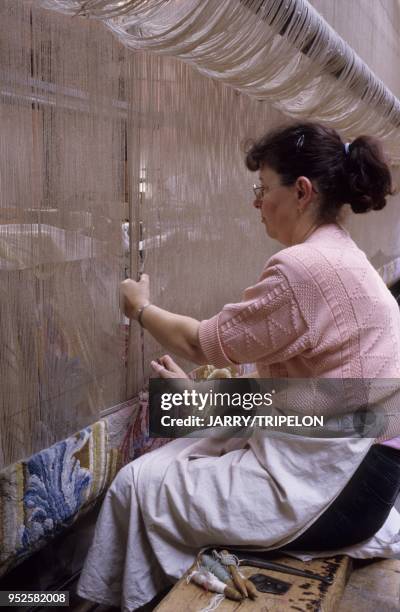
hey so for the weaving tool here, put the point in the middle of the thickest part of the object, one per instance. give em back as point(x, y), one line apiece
point(255, 561)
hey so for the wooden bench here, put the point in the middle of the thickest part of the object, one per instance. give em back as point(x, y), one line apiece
point(305, 595)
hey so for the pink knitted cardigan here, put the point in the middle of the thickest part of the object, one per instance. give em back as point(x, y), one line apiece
point(319, 310)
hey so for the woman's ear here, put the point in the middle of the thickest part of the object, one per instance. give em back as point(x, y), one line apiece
point(304, 192)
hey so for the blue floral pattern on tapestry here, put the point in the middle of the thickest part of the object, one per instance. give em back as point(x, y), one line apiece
point(56, 489)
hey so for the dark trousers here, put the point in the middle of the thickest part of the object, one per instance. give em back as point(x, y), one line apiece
point(361, 508)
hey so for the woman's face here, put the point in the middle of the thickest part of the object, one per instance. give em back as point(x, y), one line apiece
point(278, 207)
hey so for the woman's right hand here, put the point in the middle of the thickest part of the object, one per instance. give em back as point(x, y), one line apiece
point(165, 367)
point(134, 295)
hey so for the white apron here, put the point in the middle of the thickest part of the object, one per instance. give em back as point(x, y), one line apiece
point(259, 492)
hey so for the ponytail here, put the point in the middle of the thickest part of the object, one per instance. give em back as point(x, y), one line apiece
point(356, 173)
point(368, 176)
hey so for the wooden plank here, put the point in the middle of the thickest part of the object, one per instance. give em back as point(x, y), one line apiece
point(304, 595)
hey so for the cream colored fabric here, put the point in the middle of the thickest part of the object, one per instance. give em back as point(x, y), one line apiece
point(278, 51)
point(263, 492)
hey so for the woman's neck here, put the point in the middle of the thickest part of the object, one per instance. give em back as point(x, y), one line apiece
point(304, 232)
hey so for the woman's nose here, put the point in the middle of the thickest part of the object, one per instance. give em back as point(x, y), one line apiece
point(257, 203)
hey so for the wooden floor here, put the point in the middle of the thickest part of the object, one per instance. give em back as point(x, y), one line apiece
point(374, 586)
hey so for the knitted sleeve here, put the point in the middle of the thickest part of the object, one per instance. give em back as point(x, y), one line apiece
point(267, 325)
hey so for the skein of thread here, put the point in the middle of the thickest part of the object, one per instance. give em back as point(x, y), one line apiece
point(236, 577)
point(251, 589)
point(215, 566)
point(210, 582)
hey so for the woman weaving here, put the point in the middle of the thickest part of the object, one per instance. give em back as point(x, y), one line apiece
point(309, 316)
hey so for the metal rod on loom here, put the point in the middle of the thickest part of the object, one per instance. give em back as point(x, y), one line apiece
point(366, 84)
point(141, 254)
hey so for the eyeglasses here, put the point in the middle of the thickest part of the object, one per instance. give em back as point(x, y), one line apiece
point(259, 191)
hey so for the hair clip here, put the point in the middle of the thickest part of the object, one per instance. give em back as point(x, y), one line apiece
point(300, 142)
point(347, 148)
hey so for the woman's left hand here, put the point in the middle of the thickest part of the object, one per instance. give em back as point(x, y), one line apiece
point(166, 367)
point(134, 295)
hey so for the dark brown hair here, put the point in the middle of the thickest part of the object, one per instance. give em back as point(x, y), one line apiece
point(356, 174)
